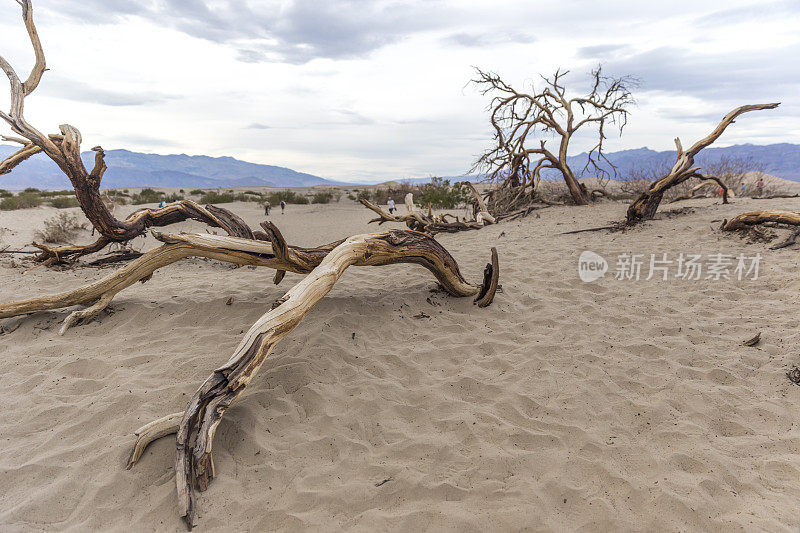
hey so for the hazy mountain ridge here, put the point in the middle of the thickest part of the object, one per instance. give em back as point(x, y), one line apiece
point(134, 169)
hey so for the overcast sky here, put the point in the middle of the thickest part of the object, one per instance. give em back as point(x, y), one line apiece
point(371, 90)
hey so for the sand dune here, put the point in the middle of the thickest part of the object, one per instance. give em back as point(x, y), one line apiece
point(612, 405)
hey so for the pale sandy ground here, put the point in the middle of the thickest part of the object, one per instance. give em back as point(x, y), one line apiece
point(605, 406)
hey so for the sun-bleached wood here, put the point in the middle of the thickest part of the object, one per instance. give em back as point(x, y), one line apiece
point(194, 465)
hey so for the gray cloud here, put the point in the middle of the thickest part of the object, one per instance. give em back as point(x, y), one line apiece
point(488, 38)
point(749, 75)
point(258, 126)
point(70, 89)
point(602, 51)
point(296, 32)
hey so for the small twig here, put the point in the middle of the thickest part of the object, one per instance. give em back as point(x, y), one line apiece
point(755, 340)
point(788, 242)
point(601, 228)
point(387, 480)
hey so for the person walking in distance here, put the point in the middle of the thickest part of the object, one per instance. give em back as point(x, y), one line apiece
point(267, 207)
point(391, 206)
point(760, 186)
point(283, 206)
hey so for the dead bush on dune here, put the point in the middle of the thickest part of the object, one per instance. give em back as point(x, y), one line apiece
point(61, 228)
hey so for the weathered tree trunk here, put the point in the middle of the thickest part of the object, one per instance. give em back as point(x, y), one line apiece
point(646, 205)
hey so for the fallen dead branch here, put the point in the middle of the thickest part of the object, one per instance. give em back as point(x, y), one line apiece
point(646, 205)
point(792, 239)
point(195, 427)
point(753, 218)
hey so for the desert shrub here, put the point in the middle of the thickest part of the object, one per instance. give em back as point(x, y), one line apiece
point(174, 197)
point(51, 194)
point(9, 203)
point(254, 193)
point(5, 194)
point(197, 192)
point(23, 200)
point(182, 191)
point(60, 228)
point(439, 193)
point(322, 198)
point(147, 196)
point(290, 197)
point(62, 202)
point(213, 197)
point(365, 194)
point(117, 194)
point(350, 196)
point(247, 197)
point(32, 189)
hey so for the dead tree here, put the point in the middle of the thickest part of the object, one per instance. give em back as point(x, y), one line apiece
point(517, 158)
point(195, 427)
point(646, 205)
point(64, 149)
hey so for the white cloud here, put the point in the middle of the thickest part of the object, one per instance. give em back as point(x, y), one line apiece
point(351, 89)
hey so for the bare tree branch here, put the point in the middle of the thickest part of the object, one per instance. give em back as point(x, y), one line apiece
point(518, 117)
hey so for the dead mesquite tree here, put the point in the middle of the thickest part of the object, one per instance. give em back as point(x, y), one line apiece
point(65, 151)
point(518, 157)
point(646, 205)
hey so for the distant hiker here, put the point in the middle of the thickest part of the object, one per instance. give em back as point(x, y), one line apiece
point(721, 191)
point(391, 206)
point(760, 186)
point(267, 207)
point(283, 206)
point(744, 188)
point(162, 203)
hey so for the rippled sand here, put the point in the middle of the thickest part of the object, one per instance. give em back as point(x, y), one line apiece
point(613, 405)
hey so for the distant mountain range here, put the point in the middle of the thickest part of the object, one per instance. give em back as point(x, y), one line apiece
point(782, 160)
point(133, 169)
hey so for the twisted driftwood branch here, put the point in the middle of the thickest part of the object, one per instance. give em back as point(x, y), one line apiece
point(229, 249)
point(646, 205)
point(98, 295)
point(194, 465)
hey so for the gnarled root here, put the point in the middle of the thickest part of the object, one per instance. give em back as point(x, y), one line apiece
point(194, 466)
